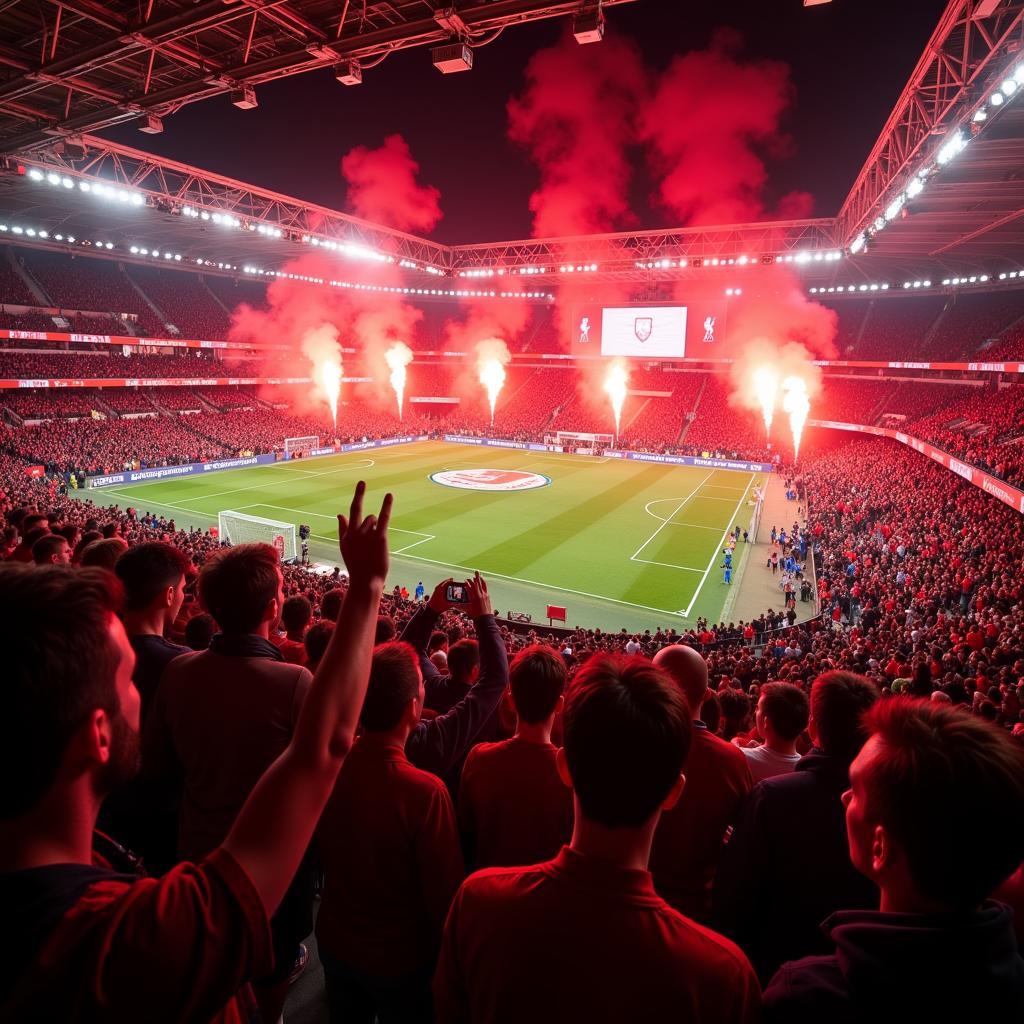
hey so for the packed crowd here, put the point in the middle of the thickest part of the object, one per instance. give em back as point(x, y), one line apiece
point(984, 428)
point(727, 823)
point(26, 365)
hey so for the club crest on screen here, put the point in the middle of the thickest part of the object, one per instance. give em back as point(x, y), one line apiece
point(643, 326)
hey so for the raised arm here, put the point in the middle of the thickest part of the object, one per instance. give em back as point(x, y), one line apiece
point(274, 826)
point(436, 745)
point(419, 628)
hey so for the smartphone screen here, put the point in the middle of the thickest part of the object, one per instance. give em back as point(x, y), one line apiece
point(457, 593)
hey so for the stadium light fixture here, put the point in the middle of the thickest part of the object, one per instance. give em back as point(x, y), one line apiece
point(1008, 87)
point(244, 98)
point(996, 99)
point(452, 58)
point(981, 114)
point(349, 73)
point(588, 26)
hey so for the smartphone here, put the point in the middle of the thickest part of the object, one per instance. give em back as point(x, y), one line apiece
point(456, 593)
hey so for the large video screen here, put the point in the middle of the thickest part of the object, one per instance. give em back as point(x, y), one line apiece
point(674, 330)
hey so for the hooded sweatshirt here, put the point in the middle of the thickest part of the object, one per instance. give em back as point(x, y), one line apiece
point(906, 967)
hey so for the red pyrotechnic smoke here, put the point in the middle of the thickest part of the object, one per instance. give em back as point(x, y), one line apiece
point(501, 321)
point(398, 356)
point(492, 356)
point(382, 187)
point(297, 310)
point(709, 124)
point(774, 306)
point(575, 117)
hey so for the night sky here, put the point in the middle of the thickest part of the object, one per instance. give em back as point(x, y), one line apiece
point(850, 59)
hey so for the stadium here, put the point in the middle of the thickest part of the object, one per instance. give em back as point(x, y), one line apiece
point(720, 446)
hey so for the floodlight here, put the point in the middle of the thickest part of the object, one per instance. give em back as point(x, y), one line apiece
point(996, 99)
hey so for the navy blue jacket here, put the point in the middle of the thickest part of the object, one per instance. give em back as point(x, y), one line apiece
point(438, 744)
point(905, 968)
point(787, 865)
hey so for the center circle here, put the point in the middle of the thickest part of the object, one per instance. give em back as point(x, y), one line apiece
point(490, 479)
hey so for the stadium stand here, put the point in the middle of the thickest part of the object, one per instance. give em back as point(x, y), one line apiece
point(184, 299)
point(98, 285)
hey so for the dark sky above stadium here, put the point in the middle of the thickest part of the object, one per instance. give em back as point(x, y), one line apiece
point(848, 61)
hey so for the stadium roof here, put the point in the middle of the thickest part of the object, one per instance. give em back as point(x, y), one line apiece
point(946, 132)
point(122, 60)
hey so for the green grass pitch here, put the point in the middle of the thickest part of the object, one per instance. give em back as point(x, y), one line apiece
point(620, 543)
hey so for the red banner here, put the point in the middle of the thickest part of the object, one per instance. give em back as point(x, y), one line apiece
point(999, 489)
point(142, 382)
point(238, 346)
point(116, 339)
point(35, 471)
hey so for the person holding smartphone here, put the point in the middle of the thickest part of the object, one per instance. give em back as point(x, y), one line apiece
point(439, 744)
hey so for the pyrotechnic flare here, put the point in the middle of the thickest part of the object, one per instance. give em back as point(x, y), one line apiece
point(491, 356)
point(616, 381)
point(328, 377)
point(796, 402)
point(398, 357)
point(766, 387)
point(492, 376)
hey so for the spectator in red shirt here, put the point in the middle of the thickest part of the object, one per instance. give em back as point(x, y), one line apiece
point(51, 549)
point(513, 807)
point(935, 818)
point(689, 839)
point(223, 715)
point(387, 894)
point(81, 941)
point(30, 536)
point(585, 936)
point(315, 641)
point(296, 615)
point(782, 713)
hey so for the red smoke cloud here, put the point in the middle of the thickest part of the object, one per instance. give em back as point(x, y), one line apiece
point(482, 319)
point(774, 308)
point(382, 187)
point(710, 122)
point(576, 118)
point(365, 321)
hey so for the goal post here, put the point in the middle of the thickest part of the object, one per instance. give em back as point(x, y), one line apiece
point(301, 444)
point(580, 442)
point(241, 528)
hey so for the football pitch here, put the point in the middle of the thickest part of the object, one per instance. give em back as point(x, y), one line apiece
point(619, 543)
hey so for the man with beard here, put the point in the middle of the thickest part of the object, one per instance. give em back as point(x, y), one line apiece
point(82, 941)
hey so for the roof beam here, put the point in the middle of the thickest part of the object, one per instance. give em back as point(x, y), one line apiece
point(968, 47)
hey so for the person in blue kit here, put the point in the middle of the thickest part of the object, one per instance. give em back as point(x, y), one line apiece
point(727, 566)
point(420, 591)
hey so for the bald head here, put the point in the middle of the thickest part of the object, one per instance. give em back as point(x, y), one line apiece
point(688, 670)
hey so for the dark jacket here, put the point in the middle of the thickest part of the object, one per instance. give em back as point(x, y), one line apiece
point(787, 865)
point(438, 744)
point(906, 967)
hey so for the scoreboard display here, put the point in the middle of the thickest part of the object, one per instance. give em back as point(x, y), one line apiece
point(691, 328)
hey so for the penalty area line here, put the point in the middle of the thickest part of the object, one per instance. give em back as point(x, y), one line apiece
point(665, 522)
point(715, 554)
point(536, 583)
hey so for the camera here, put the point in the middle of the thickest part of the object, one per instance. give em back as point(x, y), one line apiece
point(303, 531)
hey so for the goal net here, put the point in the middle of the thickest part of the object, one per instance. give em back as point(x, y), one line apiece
point(573, 441)
point(240, 528)
point(301, 444)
